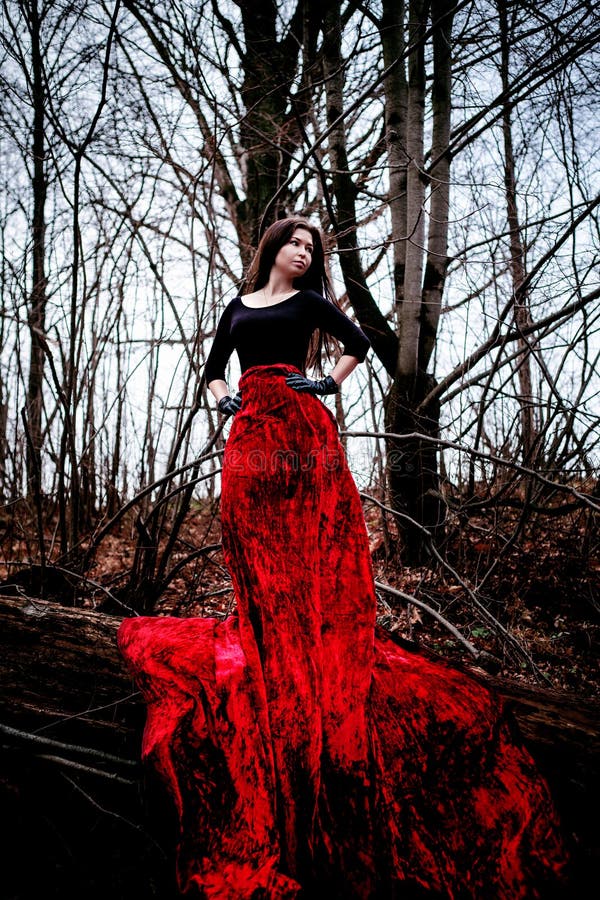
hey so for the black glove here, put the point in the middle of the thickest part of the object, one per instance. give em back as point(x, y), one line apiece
point(305, 385)
point(230, 405)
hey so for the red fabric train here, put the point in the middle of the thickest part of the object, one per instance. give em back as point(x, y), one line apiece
point(307, 753)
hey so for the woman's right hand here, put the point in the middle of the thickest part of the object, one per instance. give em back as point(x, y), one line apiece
point(229, 406)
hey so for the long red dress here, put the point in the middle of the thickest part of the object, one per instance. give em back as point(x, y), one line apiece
point(306, 752)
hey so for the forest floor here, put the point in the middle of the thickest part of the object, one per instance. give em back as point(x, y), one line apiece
point(544, 589)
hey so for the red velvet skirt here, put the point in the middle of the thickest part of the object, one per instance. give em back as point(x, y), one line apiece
point(306, 752)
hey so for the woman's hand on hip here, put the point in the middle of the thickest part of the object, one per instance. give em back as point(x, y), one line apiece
point(229, 406)
point(307, 386)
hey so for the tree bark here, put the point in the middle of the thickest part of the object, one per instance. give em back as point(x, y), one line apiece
point(62, 677)
point(86, 819)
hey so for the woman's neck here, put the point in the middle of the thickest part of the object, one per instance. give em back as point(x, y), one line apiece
point(278, 285)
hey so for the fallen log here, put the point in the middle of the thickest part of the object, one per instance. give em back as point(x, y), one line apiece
point(62, 677)
point(84, 821)
point(70, 715)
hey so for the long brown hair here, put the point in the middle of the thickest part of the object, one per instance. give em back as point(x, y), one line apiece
point(315, 278)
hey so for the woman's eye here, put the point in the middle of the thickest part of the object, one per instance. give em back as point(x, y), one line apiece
point(295, 243)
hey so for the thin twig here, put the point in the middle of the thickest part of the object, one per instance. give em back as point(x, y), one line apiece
point(87, 770)
point(473, 650)
point(76, 749)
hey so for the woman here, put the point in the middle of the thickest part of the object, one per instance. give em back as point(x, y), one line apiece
point(307, 753)
point(276, 321)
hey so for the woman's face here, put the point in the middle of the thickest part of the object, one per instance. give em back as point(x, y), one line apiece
point(295, 257)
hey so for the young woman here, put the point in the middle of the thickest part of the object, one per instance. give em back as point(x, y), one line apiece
point(309, 754)
point(275, 322)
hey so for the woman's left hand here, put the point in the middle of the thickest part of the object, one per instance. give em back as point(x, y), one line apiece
point(307, 386)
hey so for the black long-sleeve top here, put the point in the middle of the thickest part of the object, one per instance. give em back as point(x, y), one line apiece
point(280, 333)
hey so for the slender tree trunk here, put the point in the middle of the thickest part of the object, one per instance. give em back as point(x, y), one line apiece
point(413, 478)
point(37, 297)
point(405, 466)
point(396, 102)
point(517, 251)
point(115, 463)
point(442, 12)
point(88, 457)
point(5, 491)
point(410, 311)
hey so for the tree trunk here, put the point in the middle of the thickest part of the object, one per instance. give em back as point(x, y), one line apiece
point(442, 13)
point(37, 297)
point(517, 252)
point(63, 676)
point(410, 310)
point(412, 464)
point(396, 101)
point(262, 130)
